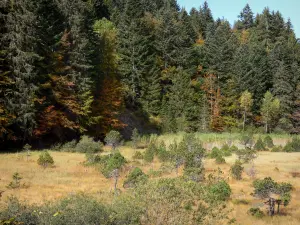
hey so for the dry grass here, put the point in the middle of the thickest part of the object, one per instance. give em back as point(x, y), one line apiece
point(69, 176)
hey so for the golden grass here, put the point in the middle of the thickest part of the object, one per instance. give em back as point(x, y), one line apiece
point(70, 176)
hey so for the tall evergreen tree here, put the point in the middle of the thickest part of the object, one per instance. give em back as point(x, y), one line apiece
point(246, 17)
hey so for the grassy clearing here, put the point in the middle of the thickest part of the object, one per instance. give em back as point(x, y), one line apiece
point(70, 176)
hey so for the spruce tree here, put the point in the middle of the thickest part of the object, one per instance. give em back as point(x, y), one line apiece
point(246, 17)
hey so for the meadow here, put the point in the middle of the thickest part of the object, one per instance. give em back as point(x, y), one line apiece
point(70, 176)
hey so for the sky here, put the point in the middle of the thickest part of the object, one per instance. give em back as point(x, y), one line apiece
point(230, 9)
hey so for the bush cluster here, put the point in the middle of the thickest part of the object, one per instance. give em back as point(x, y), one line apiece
point(163, 201)
point(135, 177)
point(86, 144)
point(292, 146)
point(45, 159)
point(237, 170)
point(256, 212)
point(111, 162)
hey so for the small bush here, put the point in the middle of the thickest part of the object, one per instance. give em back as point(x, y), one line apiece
point(237, 170)
point(135, 177)
point(68, 146)
point(88, 145)
point(45, 159)
point(256, 212)
point(277, 149)
point(219, 191)
point(135, 138)
point(241, 202)
point(293, 146)
point(226, 150)
point(162, 153)
point(233, 148)
point(268, 141)
point(113, 138)
point(138, 155)
point(194, 173)
point(16, 183)
point(220, 160)
point(112, 162)
point(92, 158)
point(215, 152)
point(259, 145)
point(150, 152)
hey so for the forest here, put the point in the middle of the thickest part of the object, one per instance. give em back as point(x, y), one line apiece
point(72, 68)
point(138, 112)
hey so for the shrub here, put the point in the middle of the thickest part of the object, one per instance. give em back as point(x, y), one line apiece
point(292, 146)
point(135, 138)
point(226, 150)
point(237, 170)
point(134, 178)
point(16, 183)
point(18, 213)
point(78, 209)
point(233, 148)
point(92, 158)
point(162, 153)
point(219, 191)
point(112, 162)
point(268, 141)
point(113, 138)
point(138, 155)
point(246, 155)
point(215, 152)
point(194, 173)
point(68, 146)
point(259, 145)
point(277, 149)
point(267, 186)
point(88, 145)
point(45, 159)
point(256, 212)
point(220, 160)
point(247, 141)
point(150, 152)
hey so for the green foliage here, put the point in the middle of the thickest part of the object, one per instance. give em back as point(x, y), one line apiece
point(112, 162)
point(246, 155)
point(162, 153)
point(220, 160)
point(277, 148)
point(256, 212)
point(67, 147)
point(215, 152)
point(236, 170)
point(135, 177)
point(113, 138)
point(135, 138)
point(219, 191)
point(267, 186)
point(45, 159)
point(150, 152)
point(16, 183)
point(259, 145)
point(268, 141)
point(226, 150)
point(92, 159)
point(270, 109)
point(88, 145)
point(138, 155)
point(292, 146)
point(157, 201)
